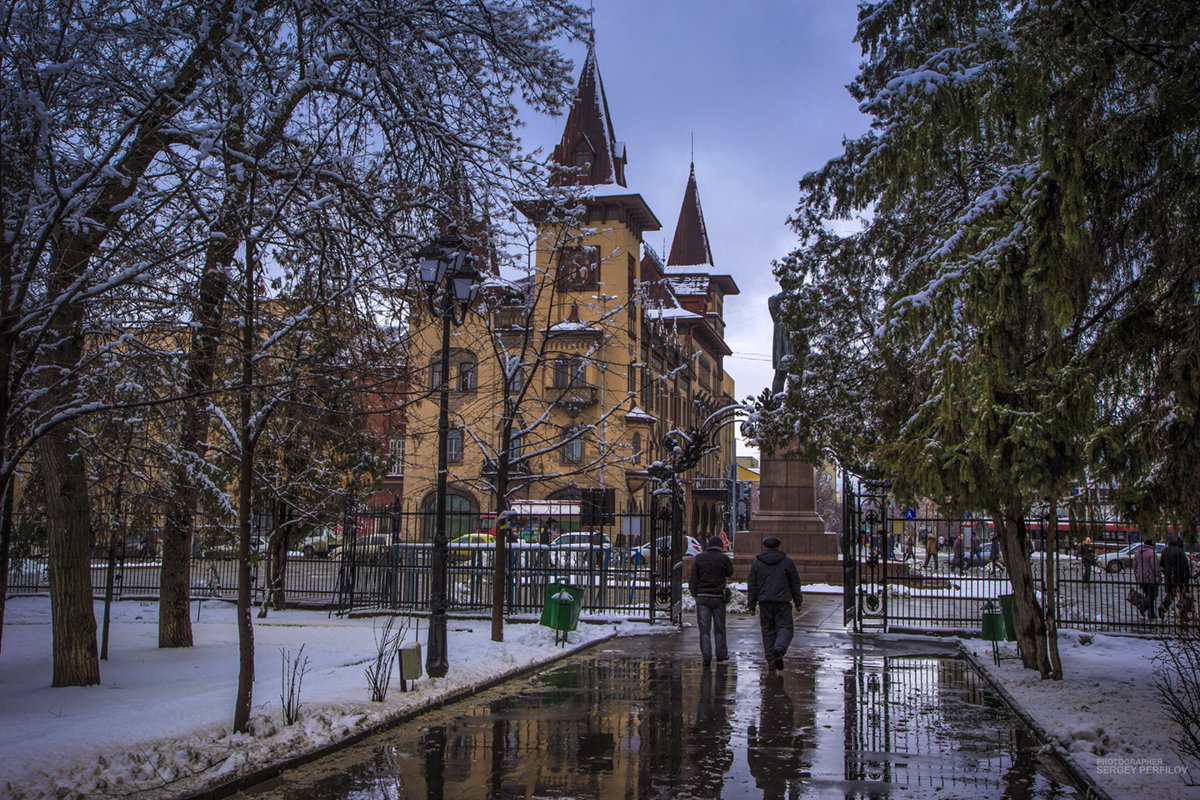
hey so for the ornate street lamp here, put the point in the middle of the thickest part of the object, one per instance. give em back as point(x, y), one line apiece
point(447, 271)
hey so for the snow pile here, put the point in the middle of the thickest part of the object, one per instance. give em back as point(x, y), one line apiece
point(1105, 714)
point(160, 720)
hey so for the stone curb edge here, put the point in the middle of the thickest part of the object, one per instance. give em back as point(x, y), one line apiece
point(228, 788)
point(1091, 789)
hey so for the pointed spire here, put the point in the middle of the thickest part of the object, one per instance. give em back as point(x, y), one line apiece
point(589, 150)
point(690, 245)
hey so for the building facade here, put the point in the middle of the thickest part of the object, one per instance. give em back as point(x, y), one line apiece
point(571, 373)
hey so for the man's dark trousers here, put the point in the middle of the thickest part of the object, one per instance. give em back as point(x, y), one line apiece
point(710, 618)
point(775, 619)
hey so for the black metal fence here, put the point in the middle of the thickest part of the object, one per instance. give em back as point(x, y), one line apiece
point(387, 561)
point(903, 584)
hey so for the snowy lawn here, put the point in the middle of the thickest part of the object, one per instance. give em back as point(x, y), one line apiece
point(1105, 714)
point(161, 718)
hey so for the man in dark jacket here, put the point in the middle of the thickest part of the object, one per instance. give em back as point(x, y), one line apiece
point(710, 569)
point(1177, 574)
point(773, 586)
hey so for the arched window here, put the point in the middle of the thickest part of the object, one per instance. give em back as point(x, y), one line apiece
point(466, 376)
point(462, 513)
point(571, 449)
point(637, 448)
point(454, 446)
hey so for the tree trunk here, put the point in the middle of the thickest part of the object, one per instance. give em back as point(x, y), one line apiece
point(1027, 613)
point(245, 691)
point(277, 549)
point(6, 527)
point(68, 516)
point(174, 616)
point(1050, 573)
point(73, 619)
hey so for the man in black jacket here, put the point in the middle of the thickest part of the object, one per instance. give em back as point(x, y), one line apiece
point(1177, 574)
point(710, 569)
point(773, 586)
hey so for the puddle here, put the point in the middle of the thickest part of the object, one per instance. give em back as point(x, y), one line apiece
point(641, 718)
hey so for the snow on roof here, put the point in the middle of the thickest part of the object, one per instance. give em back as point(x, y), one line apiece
point(636, 413)
point(671, 313)
point(691, 269)
point(691, 285)
point(569, 326)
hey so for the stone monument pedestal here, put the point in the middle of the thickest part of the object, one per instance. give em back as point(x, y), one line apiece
point(788, 511)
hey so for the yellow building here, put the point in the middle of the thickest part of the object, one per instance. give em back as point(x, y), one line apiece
point(585, 362)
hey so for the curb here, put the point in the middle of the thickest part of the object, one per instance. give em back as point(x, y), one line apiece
point(235, 785)
point(1090, 789)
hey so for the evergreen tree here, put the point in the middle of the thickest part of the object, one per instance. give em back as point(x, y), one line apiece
point(1018, 309)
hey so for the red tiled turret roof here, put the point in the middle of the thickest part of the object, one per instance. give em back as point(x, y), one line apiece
point(589, 150)
point(690, 245)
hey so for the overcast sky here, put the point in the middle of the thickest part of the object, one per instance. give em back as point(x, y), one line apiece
point(760, 84)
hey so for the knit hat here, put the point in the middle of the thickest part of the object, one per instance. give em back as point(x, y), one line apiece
point(771, 542)
point(715, 541)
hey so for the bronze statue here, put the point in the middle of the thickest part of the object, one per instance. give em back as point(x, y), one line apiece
point(781, 349)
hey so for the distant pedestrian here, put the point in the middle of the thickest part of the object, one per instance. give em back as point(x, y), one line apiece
point(544, 535)
point(994, 553)
point(910, 548)
point(1087, 555)
point(774, 585)
point(1177, 574)
point(1147, 572)
point(931, 549)
point(710, 570)
point(957, 560)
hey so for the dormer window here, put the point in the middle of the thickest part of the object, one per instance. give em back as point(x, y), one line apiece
point(583, 157)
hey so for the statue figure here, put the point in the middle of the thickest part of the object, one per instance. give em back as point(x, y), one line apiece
point(781, 349)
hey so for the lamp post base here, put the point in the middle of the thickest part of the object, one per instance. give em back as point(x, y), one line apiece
point(437, 663)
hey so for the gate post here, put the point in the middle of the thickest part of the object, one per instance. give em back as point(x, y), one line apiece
point(849, 555)
point(676, 552)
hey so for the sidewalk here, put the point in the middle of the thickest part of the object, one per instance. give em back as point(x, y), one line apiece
point(159, 721)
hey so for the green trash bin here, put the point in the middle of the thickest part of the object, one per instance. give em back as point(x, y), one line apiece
point(1006, 610)
point(992, 628)
point(561, 610)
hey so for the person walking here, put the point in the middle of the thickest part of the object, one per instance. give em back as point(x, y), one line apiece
point(710, 570)
point(1147, 572)
point(931, 549)
point(910, 548)
point(1177, 574)
point(1087, 555)
point(957, 561)
point(773, 586)
point(994, 553)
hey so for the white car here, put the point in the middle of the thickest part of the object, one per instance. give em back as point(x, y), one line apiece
point(691, 547)
point(575, 550)
point(1123, 559)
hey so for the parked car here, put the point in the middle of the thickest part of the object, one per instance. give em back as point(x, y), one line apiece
point(373, 547)
point(575, 549)
point(473, 547)
point(1123, 559)
point(323, 543)
point(691, 547)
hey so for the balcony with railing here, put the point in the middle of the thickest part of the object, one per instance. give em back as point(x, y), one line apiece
point(573, 396)
point(512, 317)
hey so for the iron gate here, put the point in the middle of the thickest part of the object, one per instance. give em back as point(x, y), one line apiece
point(666, 560)
point(865, 541)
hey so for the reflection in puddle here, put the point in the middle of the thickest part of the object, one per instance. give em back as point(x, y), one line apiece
point(644, 720)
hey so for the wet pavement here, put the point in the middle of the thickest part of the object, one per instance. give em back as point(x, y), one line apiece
point(848, 717)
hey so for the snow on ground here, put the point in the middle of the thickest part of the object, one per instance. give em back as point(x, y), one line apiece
point(162, 718)
point(1105, 714)
point(159, 721)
